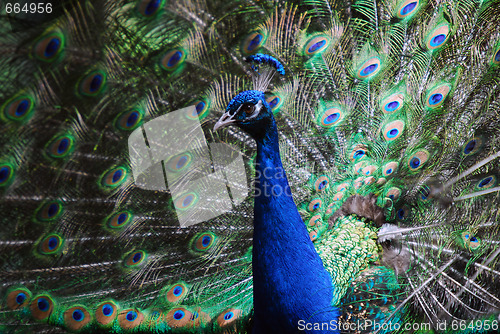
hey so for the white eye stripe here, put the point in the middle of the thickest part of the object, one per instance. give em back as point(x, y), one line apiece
point(238, 110)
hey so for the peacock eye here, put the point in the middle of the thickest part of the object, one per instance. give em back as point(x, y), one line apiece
point(248, 109)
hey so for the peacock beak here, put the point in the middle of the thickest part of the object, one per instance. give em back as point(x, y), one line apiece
point(224, 121)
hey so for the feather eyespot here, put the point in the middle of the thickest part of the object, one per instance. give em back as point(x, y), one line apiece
point(316, 45)
point(149, 8)
point(228, 317)
point(253, 42)
point(129, 120)
point(18, 298)
point(6, 174)
point(135, 259)
point(392, 106)
point(425, 193)
point(321, 183)
point(106, 312)
point(393, 193)
point(389, 168)
point(436, 97)
point(41, 307)
point(49, 211)
point(437, 40)
point(358, 167)
point(369, 180)
point(496, 57)
point(21, 299)
point(92, 84)
point(471, 241)
point(407, 9)
point(418, 159)
point(49, 47)
point(369, 170)
point(61, 146)
point(119, 220)
point(392, 103)
point(438, 37)
point(176, 292)
point(403, 213)
point(469, 147)
point(19, 108)
point(338, 196)
point(275, 102)
point(114, 177)
point(472, 146)
point(330, 117)
point(173, 59)
point(186, 201)
point(51, 244)
point(131, 315)
point(179, 163)
point(486, 182)
point(198, 318)
point(77, 317)
point(414, 163)
point(315, 220)
point(342, 186)
point(393, 130)
point(203, 242)
point(200, 111)
point(315, 205)
point(329, 209)
point(369, 68)
point(178, 317)
point(359, 152)
point(130, 318)
point(358, 182)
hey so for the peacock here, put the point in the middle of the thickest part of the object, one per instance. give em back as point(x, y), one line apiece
point(266, 166)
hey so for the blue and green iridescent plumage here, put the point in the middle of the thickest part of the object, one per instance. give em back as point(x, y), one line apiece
point(385, 118)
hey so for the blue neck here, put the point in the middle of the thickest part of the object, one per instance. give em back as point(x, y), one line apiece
point(290, 282)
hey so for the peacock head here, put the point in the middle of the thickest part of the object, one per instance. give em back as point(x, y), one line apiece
point(249, 111)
